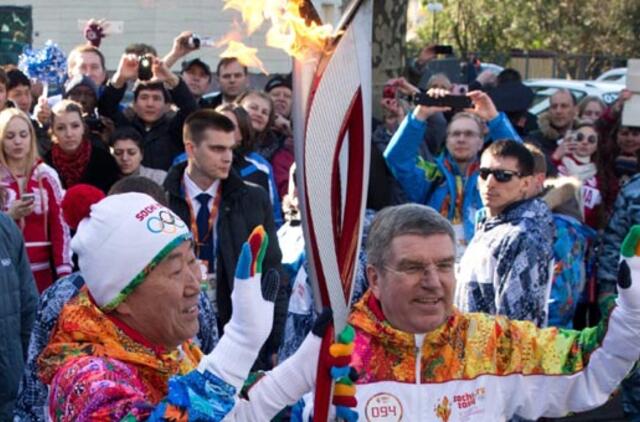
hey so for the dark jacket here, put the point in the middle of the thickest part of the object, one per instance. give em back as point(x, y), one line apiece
point(102, 170)
point(162, 142)
point(546, 138)
point(243, 207)
point(18, 302)
point(211, 102)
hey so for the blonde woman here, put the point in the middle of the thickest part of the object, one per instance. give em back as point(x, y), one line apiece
point(32, 199)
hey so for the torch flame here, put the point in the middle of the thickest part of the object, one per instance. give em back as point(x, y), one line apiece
point(247, 56)
point(288, 30)
point(251, 11)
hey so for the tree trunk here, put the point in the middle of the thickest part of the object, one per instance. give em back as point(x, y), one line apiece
point(388, 45)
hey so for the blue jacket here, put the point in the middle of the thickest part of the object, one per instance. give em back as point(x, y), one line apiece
point(626, 213)
point(432, 183)
point(506, 267)
point(570, 248)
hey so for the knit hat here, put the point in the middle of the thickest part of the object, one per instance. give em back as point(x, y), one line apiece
point(120, 241)
point(79, 80)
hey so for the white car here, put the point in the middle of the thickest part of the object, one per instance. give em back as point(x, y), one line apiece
point(545, 88)
point(616, 76)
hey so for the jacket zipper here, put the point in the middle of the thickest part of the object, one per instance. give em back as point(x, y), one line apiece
point(418, 349)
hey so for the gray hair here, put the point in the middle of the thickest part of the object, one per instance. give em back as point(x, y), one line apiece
point(400, 220)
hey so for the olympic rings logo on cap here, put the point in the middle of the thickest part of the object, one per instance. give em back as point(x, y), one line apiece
point(165, 222)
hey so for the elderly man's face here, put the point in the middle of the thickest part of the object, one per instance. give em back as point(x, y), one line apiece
point(282, 100)
point(164, 308)
point(562, 111)
point(416, 285)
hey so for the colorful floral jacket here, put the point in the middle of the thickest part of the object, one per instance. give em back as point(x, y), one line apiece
point(100, 369)
point(32, 394)
point(481, 367)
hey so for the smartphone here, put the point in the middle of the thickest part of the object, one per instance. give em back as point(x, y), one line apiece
point(144, 68)
point(28, 197)
point(456, 102)
point(446, 50)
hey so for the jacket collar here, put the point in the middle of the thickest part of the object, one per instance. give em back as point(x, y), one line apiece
point(368, 316)
point(173, 182)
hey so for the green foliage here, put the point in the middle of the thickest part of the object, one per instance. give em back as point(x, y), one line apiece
point(595, 29)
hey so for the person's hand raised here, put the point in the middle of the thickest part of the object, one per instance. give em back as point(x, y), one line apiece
point(483, 106)
point(422, 112)
point(127, 70)
point(163, 74)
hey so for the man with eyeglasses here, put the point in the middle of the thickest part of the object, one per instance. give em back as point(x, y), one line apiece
point(449, 183)
point(420, 359)
point(507, 266)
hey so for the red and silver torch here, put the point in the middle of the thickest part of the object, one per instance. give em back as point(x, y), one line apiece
point(332, 132)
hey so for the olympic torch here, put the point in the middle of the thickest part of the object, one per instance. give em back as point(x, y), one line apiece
point(332, 132)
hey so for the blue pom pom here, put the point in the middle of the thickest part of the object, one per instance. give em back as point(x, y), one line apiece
point(346, 414)
point(47, 64)
point(340, 371)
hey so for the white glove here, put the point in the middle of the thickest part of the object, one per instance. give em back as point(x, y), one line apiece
point(251, 320)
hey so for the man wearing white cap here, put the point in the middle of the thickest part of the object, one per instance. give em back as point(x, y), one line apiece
point(121, 348)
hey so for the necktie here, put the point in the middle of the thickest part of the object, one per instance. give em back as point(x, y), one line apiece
point(205, 238)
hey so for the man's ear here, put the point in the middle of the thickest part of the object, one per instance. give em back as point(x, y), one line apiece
point(374, 280)
point(188, 148)
point(526, 184)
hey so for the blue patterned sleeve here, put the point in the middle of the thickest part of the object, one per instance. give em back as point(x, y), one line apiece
point(619, 224)
point(196, 396)
point(207, 336)
point(523, 280)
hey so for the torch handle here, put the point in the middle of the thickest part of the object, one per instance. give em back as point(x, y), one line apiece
point(324, 383)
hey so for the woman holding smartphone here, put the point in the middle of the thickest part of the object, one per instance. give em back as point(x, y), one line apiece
point(577, 156)
point(33, 194)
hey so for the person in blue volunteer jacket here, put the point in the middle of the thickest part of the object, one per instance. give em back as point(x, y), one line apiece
point(449, 183)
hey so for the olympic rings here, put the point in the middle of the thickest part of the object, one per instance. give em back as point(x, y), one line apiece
point(165, 223)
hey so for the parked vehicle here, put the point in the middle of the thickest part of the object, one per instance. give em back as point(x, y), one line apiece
point(616, 76)
point(545, 88)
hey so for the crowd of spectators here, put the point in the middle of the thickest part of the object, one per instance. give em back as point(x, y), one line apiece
point(538, 206)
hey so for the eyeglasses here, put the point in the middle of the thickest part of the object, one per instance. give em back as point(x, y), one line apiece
point(502, 176)
point(421, 270)
point(579, 137)
point(465, 133)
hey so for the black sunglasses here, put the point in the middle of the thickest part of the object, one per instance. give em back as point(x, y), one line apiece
point(501, 176)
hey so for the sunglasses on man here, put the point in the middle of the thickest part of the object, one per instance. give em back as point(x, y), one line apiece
point(502, 176)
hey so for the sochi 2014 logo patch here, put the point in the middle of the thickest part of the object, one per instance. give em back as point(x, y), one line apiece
point(383, 407)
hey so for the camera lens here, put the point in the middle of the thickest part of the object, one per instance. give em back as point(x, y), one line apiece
point(194, 41)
